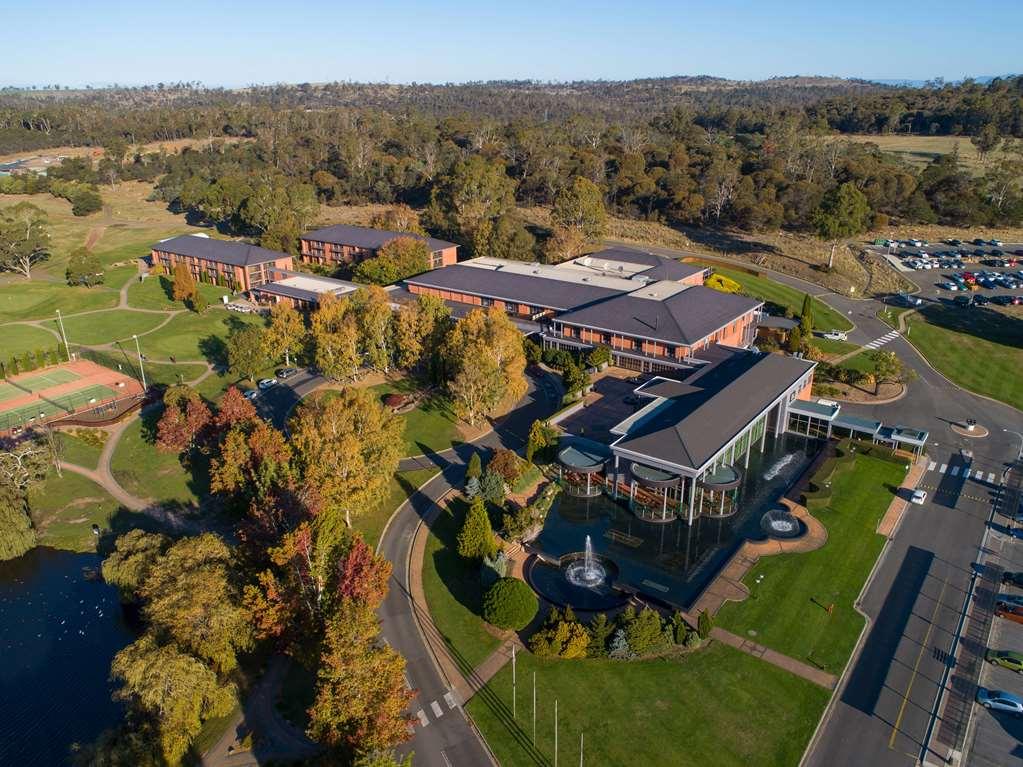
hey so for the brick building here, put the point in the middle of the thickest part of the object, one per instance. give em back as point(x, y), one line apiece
point(237, 265)
point(343, 244)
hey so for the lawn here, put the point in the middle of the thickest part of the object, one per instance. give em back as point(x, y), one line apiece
point(39, 300)
point(155, 293)
point(82, 446)
point(453, 591)
point(861, 362)
point(146, 472)
point(64, 509)
point(836, 348)
point(401, 487)
point(716, 706)
point(890, 315)
point(19, 339)
point(429, 427)
point(191, 336)
point(107, 327)
point(766, 289)
point(787, 609)
point(955, 341)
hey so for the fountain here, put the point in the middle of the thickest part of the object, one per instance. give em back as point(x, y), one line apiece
point(586, 572)
point(780, 523)
point(780, 464)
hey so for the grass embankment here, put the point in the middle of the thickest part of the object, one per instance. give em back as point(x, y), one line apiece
point(192, 336)
point(82, 446)
point(787, 610)
point(156, 293)
point(39, 300)
point(106, 327)
point(19, 339)
point(978, 348)
point(766, 289)
point(453, 591)
point(835, 348)
point(64, 509)
point(716, 706)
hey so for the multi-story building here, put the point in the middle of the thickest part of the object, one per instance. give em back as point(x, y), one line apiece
point(652, 312)
point(237, 265)
point(343, 244)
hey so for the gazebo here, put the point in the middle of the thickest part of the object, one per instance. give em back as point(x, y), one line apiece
point(581, 465)
point(718, 490)
point(649, 491)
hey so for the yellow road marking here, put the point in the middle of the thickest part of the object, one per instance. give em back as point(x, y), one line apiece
point(916, 666)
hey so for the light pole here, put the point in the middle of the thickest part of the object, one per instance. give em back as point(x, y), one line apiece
point(67, 347)
point(1019, 456)
point(142, 369)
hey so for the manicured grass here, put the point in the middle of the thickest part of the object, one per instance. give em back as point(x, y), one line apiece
point(978, 348)
point(402, 486)
point(430, 427)
point(890, 315)
point(716, 706)
point(64, 509)
point(39, 300)
point(155, 293)
point(453, 591)
point(824, 317)
point(837, 348)
point(787, 609)
point(861, 362)
point(77, 450)
point(19, 339)
point(191, 336)
point(123, 358)
point(107, 327)
point(146, 472)
point(529, 477)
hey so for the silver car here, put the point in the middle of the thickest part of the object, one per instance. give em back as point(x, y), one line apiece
point(999, 700)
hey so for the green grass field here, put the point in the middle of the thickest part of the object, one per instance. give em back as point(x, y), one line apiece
point(19, 339)
point(64, 509)
point(191, 336)
point(430, 427)
point(75, 449)
point(155, 293)
point(979, 349)
point(39, 300)
point(824, 317)
point(106, 327)
point(716, 706)
point(146, 472)
point(828, 346)
point(786, 610)
point(454, 593)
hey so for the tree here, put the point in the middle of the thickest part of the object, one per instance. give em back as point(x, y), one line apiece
point(363, 574)
point(504, 237)
point(419, 329)
point(234, 409)
point(127, 567)
point(476, 190)
point(346, 447)
point(16, 532)
point(24, 238)
point(183, 288)
point(184, 418)
point(561, 636)
point(844, 212)
point(986, 140)
point(541, 436)
point(580, 206)
point(564, 244)
point(476, 388)
point(795, 341)
point(509, 604)
point(397, 259)
point(704, 624)
point(600, 630)
point(360, 687)
point(484, 352)
point(372, 310)
point(506, 463)
point(83, 268)
point(246, 352)
point(170, 688)
point(492, 487)
point(476, 538)
point(24, 462)
point(285, 333)
point(888, 368)
point(643, 630)
point(398, 218)
point(806, 317)
point(475, 466)
point(335, 339)
point(574, 378)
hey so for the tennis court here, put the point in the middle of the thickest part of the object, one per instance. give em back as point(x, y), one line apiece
point(60, 391)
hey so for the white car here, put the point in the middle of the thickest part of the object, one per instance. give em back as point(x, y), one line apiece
point(949, 286)
point(251, 394)
point(915, 243)
point(266, 383)
point(919, 497)
point(836, 335)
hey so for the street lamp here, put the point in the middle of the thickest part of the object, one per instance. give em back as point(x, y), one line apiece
point(142, 369)
point(60, 322)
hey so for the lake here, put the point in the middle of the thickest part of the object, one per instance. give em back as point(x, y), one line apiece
point(58, 633)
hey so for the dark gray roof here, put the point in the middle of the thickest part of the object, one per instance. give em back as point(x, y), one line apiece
point(688, 429)
point(220, 251)
point(661, 268)
point(289, 291)
point(365, 237)
point(684, 318)
point(780, 323)
point(509, 286)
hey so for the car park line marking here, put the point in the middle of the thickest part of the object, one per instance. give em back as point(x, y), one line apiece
point(437, 710)
point(916, 666)
point(978, 474)
point(942, 469)
point(991, 476)
point(931, 465)
point(422, 717)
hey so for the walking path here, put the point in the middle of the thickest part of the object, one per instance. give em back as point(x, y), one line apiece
point(810, 673)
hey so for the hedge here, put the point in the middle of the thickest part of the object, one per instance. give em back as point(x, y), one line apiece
point(509, 604)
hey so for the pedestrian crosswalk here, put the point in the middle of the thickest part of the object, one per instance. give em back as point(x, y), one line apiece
point(877, 343)
point(436, 709)
point(967, 472)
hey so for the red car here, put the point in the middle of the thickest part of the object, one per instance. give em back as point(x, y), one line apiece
point(969, 278)
point(1010, 612)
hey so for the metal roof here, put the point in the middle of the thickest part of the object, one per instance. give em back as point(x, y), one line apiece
point(814, 409)
point(855, 423)
point(366, 237)
point(219, 251)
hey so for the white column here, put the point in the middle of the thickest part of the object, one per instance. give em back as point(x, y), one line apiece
point(692, 499)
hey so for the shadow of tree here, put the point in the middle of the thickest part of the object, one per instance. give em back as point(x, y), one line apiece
point(977, 321)
point(214, 349)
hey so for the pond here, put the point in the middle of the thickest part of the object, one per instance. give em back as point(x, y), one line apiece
point(673, 561)
point(58, 633)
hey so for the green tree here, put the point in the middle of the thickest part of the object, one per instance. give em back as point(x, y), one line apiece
point(372, 311)
point(84, 268)
point(476, 190)
point(16, 532)
point(806, 316)
point(581, 206)
point(504, 237)
point(335, 338)
point(24, 238)
point(475, 467)
point(476, 538)
point(509, 604)
point(888, 368)
point(600, 631)
point(704, 624)
point(844, 212)
point(246, 352)
point(399, 258)
point(541, 437)
point(134, 555)
point(795, 341)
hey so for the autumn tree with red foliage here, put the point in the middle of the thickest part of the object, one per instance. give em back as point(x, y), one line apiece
point(506, 463)
point(362, 574)
point(183, 421)
point(234, 409)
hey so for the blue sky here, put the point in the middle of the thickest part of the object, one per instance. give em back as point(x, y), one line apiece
point(237, 43)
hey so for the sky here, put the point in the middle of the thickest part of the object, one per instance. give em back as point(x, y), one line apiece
point(228, 43)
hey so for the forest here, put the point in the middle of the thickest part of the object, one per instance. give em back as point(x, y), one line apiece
point(687, 151)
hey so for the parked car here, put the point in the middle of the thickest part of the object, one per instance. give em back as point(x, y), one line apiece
point(1013, 600)
point(907, 300)
point(836, 335)
point(962, 301)
point(1009, 612)
point(919, 497)
point(999, 700)
point(242, 308)
point(979, 241)
point(1002, 300)
point(916, 243)
point(266, 383)
point(981, 300)
point(954, 242)
point(995, 243)
point(1006, 659)
point(949, 285)
point(251, 394)
point(285, 373)
point(1012, 578)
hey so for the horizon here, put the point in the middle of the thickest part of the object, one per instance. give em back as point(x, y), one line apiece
point(451, 42)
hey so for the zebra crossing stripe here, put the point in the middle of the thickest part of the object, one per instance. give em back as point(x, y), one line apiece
point(422, 717)
point(437, 710)
point(991, 476)
point(931, 465)
point(942, 469)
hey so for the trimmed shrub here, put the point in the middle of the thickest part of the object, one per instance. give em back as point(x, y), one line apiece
point(704, 624)
point(506, 463)
point(476, 538)
point(394, 400)
point(600, 630)
point(562, 636)
point(509, 604)
point(475, 467)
